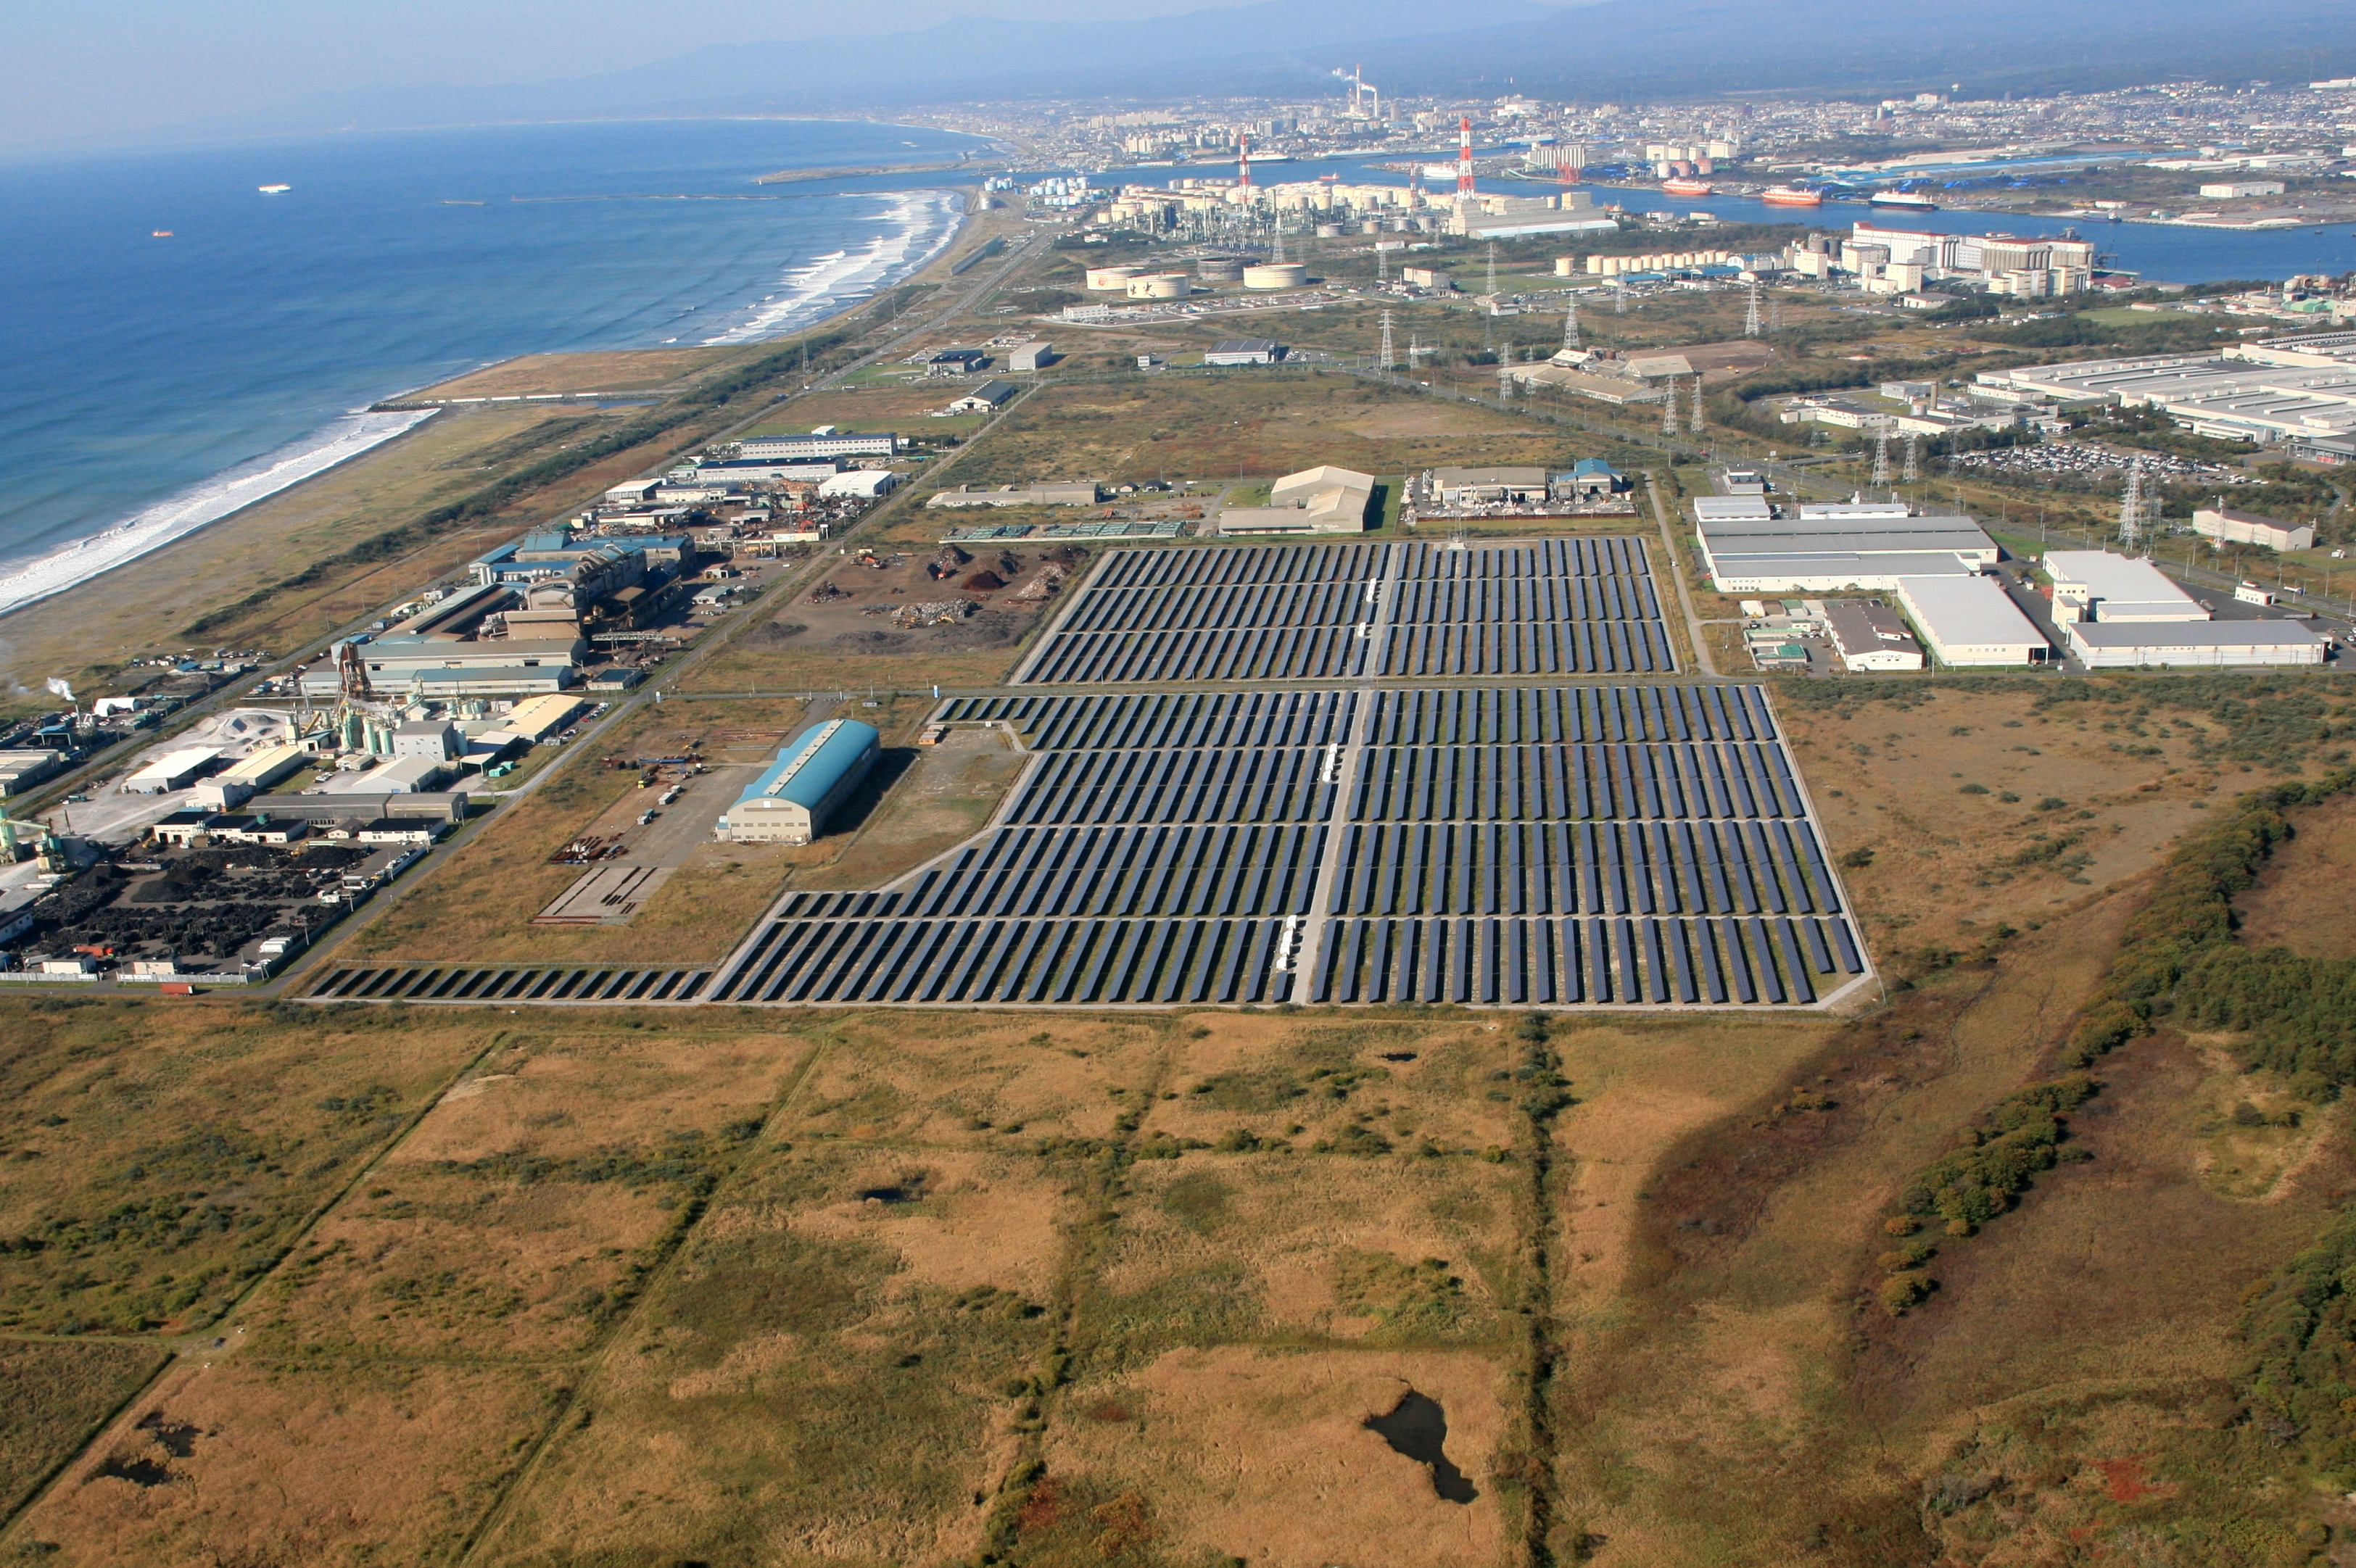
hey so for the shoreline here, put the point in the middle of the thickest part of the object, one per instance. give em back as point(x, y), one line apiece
point(241, 485)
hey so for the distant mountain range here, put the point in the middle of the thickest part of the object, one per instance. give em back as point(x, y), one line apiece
point(1617, 50)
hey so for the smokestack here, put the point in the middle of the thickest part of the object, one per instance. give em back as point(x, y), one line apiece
point(1243, 159)
point(1465, 158)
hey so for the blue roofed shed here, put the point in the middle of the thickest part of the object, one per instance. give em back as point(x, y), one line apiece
point(1589, 479)
point(815, 772)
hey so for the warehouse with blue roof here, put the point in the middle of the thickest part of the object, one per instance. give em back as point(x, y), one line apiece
point(813, 776)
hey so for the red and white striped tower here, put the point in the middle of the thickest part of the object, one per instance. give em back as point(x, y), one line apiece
point(1243, 159)
point(1465, 158)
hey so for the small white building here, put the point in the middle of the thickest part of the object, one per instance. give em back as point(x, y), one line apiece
point(984, 399)
point(2230, 527)
point(1970, 622)
point(864, 484)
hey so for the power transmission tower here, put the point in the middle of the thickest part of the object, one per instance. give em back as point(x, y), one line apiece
point(1693, 417)
point(1775, 316)
point(1570, 325)
point(1491, 290)
point(1506, 372)
point(1751, 316)
point(2131, 518)
point(1387, 346)
point(1911, 438)
point(1881, 480)
point(1277, 226)
point(1382, 266)
point(1670, 409)
point(1619, 299)
point(1414, 350)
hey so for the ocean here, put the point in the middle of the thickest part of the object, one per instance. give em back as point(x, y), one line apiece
point(153, 384)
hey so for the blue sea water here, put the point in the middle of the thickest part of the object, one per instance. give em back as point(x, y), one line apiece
point(149, 381)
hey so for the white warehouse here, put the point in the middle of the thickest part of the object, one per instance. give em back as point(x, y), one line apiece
point(2099, 586)
point(1970, 622)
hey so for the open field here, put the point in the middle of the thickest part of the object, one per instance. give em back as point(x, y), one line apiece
point(603, 370)
point(480, 904)
point(160, 1159)
point(141, 607)
point(1242, 422)
point(1957, 811)
point(53, 1394)
point(2302, 898)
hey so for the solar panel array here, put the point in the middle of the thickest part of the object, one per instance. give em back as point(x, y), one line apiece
point(1279, 612)
point(1538, 846)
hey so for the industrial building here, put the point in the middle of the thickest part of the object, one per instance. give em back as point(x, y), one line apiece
point(2132, 645)
point(2229, 527)
point(324, 810)
point(2273, 390)
point(1030, 357)
point(1244, 351)
point(1867, 546)
point(1511, 217)
point(1970, 622)
point(172, 769)
point(824, 442)
point(20, 771)
point(1321, 500)
point(2095, 585)
point(861, 484)
point(233, 787)
point(812, 776)
point(1589, 479)
point(1871, 637)
point(1045, 492)
point(984, 399)
point(1491, 486)
point(956, 362)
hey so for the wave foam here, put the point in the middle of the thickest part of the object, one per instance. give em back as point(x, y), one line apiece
point(209, 502)
point(920, 223)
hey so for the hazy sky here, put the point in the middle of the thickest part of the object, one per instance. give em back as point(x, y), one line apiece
point(115, 68)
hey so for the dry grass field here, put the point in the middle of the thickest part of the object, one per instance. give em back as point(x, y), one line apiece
point(607, 370)
point(2302, 899)
point(1972, 809)
point(53, 1394)
point(1234, 425)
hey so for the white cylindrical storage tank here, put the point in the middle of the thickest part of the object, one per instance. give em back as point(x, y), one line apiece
point(1276, 275)
point(1329, 231)
point(1219, 270)
point(1111, 280)
point(1158, 286)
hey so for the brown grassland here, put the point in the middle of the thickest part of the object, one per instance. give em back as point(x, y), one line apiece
point(607, 370)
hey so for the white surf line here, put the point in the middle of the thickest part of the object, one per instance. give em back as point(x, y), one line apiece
point(924, 224)
point(208, 502)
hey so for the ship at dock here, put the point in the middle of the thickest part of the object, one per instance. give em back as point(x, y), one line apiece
point(1684, 187)
point(1791, 196)
point(1902, 200)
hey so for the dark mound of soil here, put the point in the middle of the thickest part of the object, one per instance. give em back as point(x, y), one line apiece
point(780, 631)
point(988, 629)
point(984, 582)
point(874, 641)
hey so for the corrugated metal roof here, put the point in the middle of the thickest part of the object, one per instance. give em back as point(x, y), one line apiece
point(812, 763)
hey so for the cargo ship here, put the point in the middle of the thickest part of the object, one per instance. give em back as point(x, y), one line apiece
point(1683, 186)
point(1791, 196)
point(274, 189)
point(1905, 200)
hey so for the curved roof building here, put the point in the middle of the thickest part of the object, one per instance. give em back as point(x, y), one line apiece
point(814, 775)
